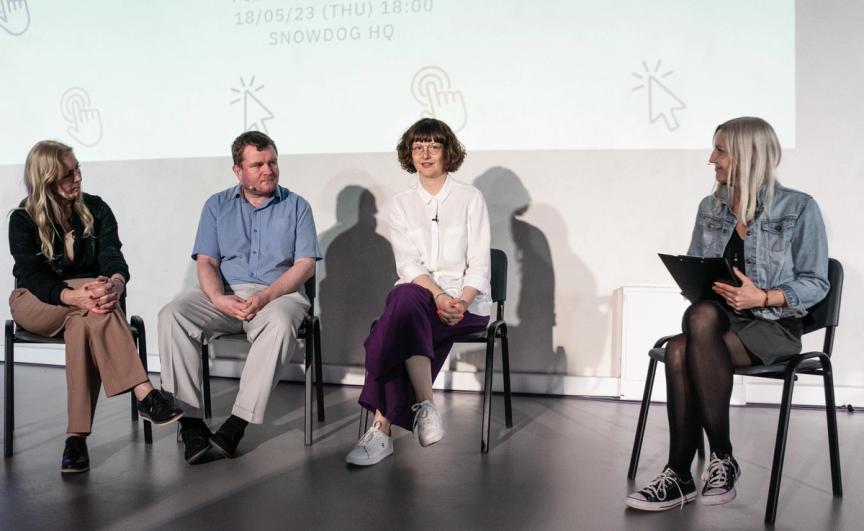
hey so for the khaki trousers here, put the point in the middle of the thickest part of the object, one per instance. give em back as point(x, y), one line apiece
point(99, 350)
point(185, 322)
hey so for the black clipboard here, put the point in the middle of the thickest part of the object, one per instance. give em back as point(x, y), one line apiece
point(696, 275)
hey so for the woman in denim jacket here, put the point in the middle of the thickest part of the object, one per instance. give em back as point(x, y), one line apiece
point(775, 238)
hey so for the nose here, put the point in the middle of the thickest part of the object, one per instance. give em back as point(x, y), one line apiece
point(712, 159)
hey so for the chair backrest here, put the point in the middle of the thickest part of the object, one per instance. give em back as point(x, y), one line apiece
point(826, 313)
point(498, 281)
point(309, 288)
point(499, 276)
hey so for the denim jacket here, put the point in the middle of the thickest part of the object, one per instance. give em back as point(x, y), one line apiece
point(785, 247)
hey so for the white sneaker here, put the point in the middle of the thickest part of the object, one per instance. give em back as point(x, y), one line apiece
point(427, 423)
point(374, 446)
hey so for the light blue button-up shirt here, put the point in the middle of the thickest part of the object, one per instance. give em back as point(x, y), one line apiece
point(256, 245)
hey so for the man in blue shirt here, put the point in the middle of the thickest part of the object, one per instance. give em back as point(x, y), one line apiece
point(256, 246)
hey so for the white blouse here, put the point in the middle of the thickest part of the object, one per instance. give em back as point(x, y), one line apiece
point(445, 236)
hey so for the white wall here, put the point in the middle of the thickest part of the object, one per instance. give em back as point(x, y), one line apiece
point(576, 224)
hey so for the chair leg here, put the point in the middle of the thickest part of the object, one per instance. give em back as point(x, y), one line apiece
point(364, 422)
point(205, 379)
point(319, 370)
point(308, 363)
point(780, 445)
point(831, 413)
point(141, 343)
point(505, 372)
point(486, 427)
point(9, 381)
point(643, 417)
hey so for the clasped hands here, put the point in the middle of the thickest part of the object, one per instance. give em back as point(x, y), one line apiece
point(99, 296)
point(743, 297)
point(450, 310)
point(240, 308)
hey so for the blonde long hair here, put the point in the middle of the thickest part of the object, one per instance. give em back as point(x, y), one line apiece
point(44, 167)
point(755, 151)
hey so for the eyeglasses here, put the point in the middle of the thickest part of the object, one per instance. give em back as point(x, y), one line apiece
point(433, 148)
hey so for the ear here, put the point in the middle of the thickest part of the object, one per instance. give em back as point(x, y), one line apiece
point(236, 169)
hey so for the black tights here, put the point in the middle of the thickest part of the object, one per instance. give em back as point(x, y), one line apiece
point(700, 364)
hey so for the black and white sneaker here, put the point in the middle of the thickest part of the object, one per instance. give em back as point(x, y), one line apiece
point(666, 491)
point(720, 478)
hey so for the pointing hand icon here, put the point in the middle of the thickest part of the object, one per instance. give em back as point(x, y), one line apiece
point(14, 16)
point(431, 88)
point(85, 121)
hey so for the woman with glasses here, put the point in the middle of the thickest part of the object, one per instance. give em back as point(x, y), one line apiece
point(71, 275)
point(440, 237)
point(775, 238)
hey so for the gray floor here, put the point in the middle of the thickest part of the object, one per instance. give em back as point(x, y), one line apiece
point(562, 466)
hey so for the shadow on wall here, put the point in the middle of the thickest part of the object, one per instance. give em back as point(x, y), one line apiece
point(530, 306)
point(360, 270)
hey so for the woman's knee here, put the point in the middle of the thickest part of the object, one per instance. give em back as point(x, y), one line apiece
point(409, 295)
point(705, 317)
point(676, 354)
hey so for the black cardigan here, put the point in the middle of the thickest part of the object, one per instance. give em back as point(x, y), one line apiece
point(98, 254)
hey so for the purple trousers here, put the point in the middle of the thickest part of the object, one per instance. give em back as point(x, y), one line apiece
point(408, 327)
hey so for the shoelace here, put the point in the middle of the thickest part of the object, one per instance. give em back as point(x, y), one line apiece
point(421, 414)
point(370, 433)
point(657, 486)
point(717, 473)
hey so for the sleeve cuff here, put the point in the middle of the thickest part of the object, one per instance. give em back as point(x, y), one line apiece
point(477, 282)
point(412, 271)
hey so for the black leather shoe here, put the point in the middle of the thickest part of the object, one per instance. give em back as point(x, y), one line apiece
point(157, 409)
point(196, 438)
point(75, 456)
point(226, 439)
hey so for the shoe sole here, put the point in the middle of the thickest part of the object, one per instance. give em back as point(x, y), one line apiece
point(162, 423)
point(74, 470)
point(223, 451)
point(195, 457)
point(718, 499)
point(368, 462)
point(429, 442)
point(644, 505)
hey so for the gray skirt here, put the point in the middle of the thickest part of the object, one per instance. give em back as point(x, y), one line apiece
point(770, 341)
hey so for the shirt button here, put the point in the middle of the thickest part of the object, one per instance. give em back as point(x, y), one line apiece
point(749, 260)
point(254, 252)
point(254, 230)
point(747, 233)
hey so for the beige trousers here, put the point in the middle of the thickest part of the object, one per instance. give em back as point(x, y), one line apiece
point(99, 351)
point(188, 320)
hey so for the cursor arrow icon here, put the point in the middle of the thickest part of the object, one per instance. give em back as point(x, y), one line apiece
point(662, 102)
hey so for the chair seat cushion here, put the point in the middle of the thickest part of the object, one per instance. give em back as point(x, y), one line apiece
point(473, 337)
point(775, 370)
point(23, 336)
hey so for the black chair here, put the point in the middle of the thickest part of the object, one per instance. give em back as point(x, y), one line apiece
point(825, 314)
point(497, 329)
point(310, 333)
point(16, 334)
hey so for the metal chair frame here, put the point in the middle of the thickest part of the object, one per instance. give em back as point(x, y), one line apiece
point(496, 330)
point(825, 315)
point(310, 333)
point(16, 334)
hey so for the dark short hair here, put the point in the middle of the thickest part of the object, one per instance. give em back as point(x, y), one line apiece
point(431, 130)
point(250, 138)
